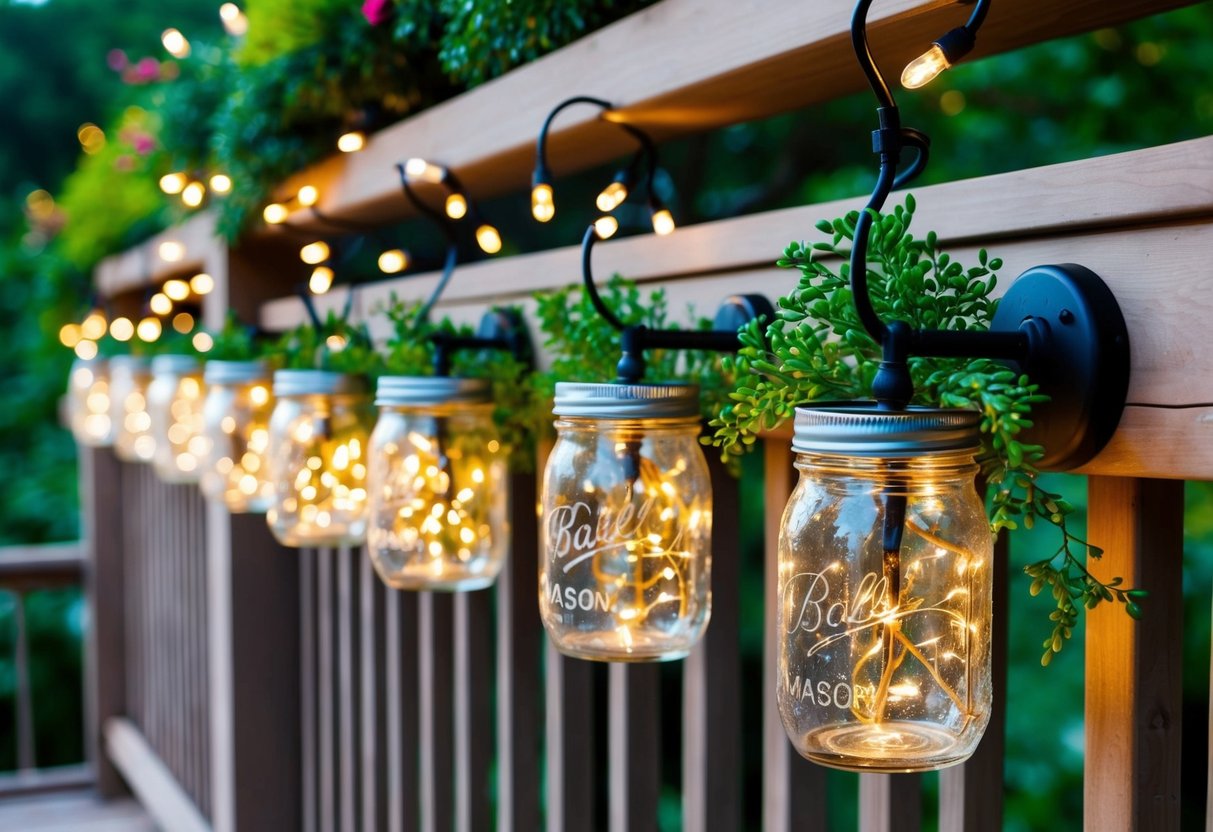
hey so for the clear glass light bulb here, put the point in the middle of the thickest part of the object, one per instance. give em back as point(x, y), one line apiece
point(148, 329)
point(488, 238)
point(663, 222)
point(202, 341)
point(605, 227)
point(160, 304)
point(202, 284)
point(122, 329)
point(183, 322)
point(173, 183)
point(612, 196)
point(171, 251)
point(351, 142)
point(176, 289)
point(421, 169)
point(543, 206)
point(308, 196)
point(321, 280)
point(94, 326)
point(193, 194)
point(274, 213)
point(393, 261)
point(221, 183)
point(456, 206)
point(923, 69)
point(314, 253)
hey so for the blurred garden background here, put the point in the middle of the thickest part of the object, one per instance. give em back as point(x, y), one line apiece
point(100, 104)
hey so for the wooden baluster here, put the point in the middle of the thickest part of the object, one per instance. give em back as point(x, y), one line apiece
point(634, 751)
point(434, 656)
point(25, 704)
point(373, 636)
point(473, 656)
point(970, 794)
point(326, 683)
point(347, 664)
point(890, 802)
point(711, 699)
point(1135, 669)
point(309, 681)
point(519, 642)
point(569, 687)
point(111, 633)
point(794, 790)
point(403, 715)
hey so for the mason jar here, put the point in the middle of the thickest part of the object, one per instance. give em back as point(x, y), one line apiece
point(625, 561)
point(438, 491)
point(88, 403)
point(174, 402)
point(319, 432)
point(130, 376)
point(885, 590)
point(236, 423)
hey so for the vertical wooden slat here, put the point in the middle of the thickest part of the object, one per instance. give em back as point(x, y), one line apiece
point(372, 637)
point(309, 678)
point(347, 684)
point(519, 645)
point(25, 705)
point(793, 790)
point(105, 525)
point(434, 665)
point(326, 700)
point(1135, 669)
point(572, 766)
point(890, 802)
point(403, 714)
point(970, 794)
point(711, 744)
point(473, 692)
point(634, 752)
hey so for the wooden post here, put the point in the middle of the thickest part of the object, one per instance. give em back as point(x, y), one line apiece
point(105, 581)
point(793, 789)
point(1135, 669)
point(711, 733)
point(254, 668)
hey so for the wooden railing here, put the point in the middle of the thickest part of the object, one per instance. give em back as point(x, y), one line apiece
point(260, 688)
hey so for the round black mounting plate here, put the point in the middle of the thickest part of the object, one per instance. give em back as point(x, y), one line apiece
point(738, 310)
point(508, 326)
point(1079, 355)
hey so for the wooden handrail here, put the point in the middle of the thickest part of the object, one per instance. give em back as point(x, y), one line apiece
point(24, 568)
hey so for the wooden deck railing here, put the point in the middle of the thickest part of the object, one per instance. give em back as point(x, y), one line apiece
point(243, 686)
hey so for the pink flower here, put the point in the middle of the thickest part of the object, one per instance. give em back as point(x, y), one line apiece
point(116, 60)
point(148, 69)
point(376, 11)
point(144, 144)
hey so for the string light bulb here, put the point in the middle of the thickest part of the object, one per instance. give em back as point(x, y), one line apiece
point(351, 142)
point(176, 289)
point(944, 53)
point(94, 325)
point(122, 329)
point(663, 222)
point(183, 322)
point(308, 196)
point(393, 261)
point(149, 329)
point(86, 349)
point(925, 68)
point(314, 253)
point(175, 43)
point(488, 238)
point(202, 284)
point(275, 213)
point(69, 335)
point(543, 204)
point(221, 183)
point(160, 304)
point(456, 206)
point(612, 196)
point(605, 227)
point(173, 183)
point(235, 22)
point(321, 280)
point(171, 251)
point(193, 194)
point(417, 168)
point(202, 341)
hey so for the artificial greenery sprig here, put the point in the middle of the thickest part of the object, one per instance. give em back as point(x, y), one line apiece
point(817, 349)
point(336, 345)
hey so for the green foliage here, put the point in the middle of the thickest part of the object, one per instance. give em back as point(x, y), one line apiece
point(235, 342)
point(336, 345)
point(817, 349)
point(280, 27)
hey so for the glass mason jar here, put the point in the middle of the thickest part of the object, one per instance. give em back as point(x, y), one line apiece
point(88, 403)
point(174, 402)
point(236, 422)
point(130, 377)
point(319, 432)
point(885, 590)
point(438, 492)
point(625, 560)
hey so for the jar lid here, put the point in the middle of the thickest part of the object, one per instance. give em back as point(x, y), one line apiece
point(394, 391)
point(860, 429)
point(234, 372)
point(178, 364)
point(316, 382)
point(626, 401)
point(134, 363)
